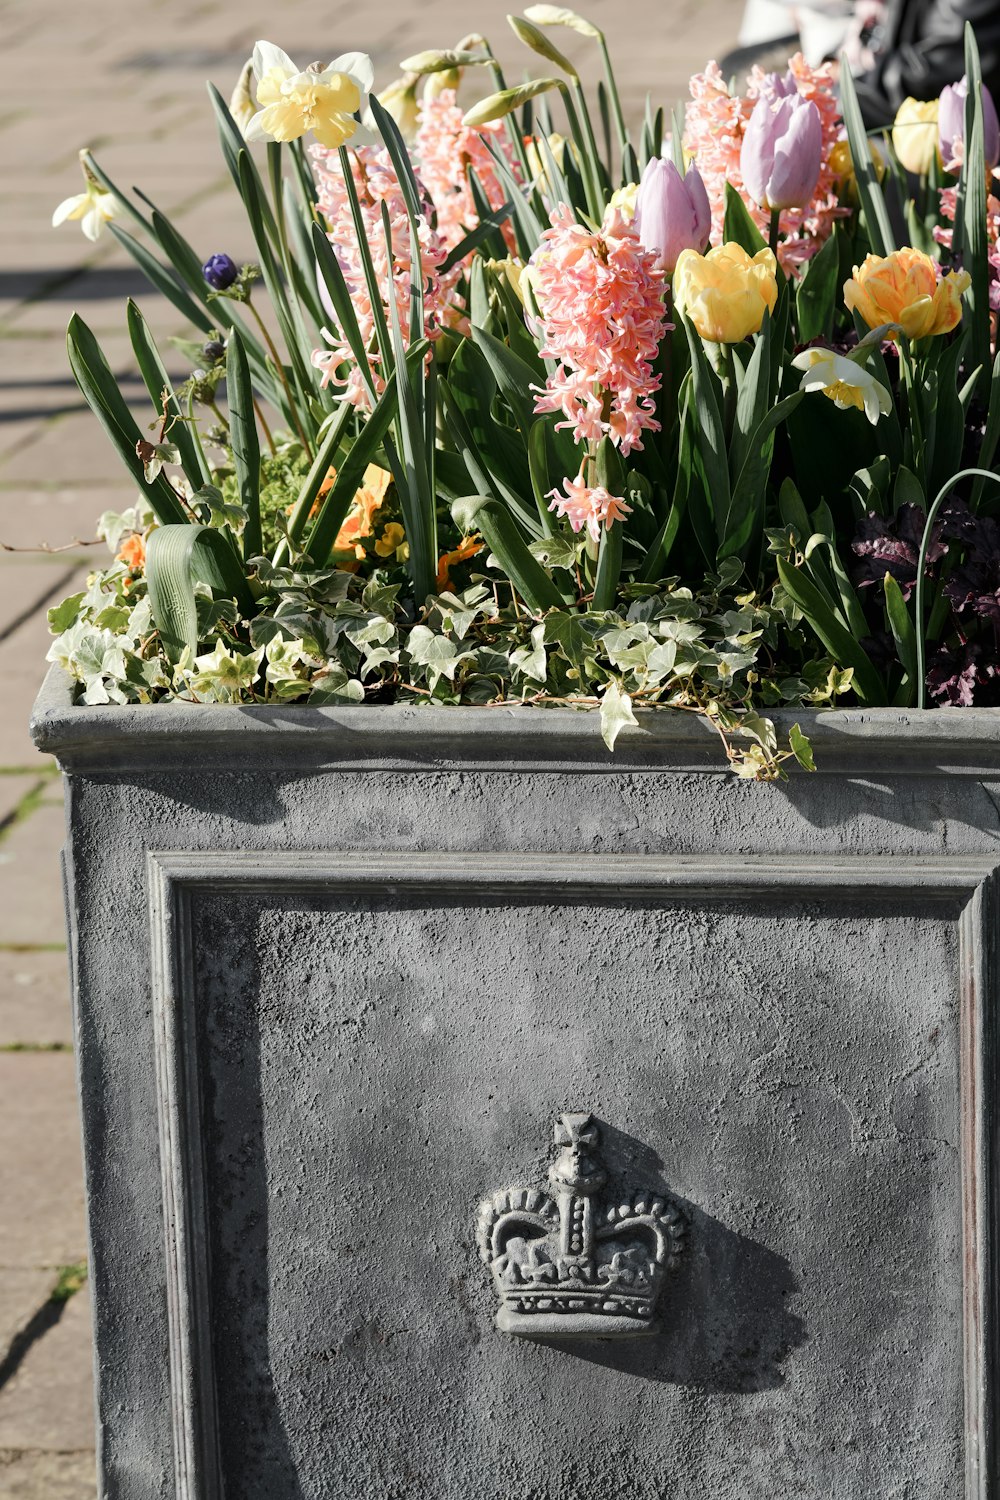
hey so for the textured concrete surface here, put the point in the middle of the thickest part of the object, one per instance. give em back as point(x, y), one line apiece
point(129, 82)
point(758, 990)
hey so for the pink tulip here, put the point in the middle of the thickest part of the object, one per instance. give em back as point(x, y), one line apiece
point(672, 213)
point(951, 125)
point(782, 152)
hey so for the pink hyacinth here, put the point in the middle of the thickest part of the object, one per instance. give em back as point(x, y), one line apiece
point(949, 207)
point(376, 183)
point(600, 299)
point(445, 149)
point(714, 125)
point(585, 506)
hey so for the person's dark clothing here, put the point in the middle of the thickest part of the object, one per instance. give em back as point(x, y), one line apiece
point(924, 49)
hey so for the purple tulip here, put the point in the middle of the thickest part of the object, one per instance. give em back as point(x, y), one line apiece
point(951, 125)
point(220, 271)
point(782, 152)
point(672, 213)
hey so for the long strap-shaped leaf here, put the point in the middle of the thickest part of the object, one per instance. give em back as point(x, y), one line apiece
point(244, 441)
point(972, 211)
point(157, 382)
point(100, 390)
point(176, 558)
point(841, 645)
point(490, 517)
point(337, 500)
point(872, 202)
point(325, 455)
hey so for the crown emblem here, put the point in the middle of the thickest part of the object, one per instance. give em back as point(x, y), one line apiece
point(568, 1265)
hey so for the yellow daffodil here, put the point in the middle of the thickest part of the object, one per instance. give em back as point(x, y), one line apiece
point(726, 292)
point(904, 288)
point(241, 105)
point(915, 135)
point(844, 381)
point(400, 99)
point(623, 199)
point(93, 207)
point(324, 100)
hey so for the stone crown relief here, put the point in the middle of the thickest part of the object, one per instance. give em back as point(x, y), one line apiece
point(568, 1265)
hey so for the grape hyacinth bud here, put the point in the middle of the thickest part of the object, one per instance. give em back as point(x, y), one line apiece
point(672, 213)
point(214, 351)
point(220, 271)
point(951, 125)
point(782, 152)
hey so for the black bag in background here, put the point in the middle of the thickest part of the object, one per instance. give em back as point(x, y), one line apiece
point(924, 50)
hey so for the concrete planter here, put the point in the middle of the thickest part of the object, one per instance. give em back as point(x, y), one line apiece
point(338, 975)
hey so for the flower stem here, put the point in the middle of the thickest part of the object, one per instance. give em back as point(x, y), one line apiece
point(280, 371)
point(775, 233)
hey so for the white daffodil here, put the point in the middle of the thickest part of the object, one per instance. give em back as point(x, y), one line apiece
point(93, 207)
point(844, 381)
point(323, 100)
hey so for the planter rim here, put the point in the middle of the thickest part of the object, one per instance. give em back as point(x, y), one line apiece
point(113, 738)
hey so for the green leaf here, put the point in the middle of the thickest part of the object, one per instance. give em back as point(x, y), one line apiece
point(819, 291)
point(512, 375)
point(538, 467)
point(321, 464)
point(709, 446)
point(490, 517)
point(972, 210)
point(739, 226)
point(162, 280)
point(616, 712)
point(609, 566)
point(178, 556)
point(840, 643)
point(157, 382)
point(902, 632)
point(801, 748)
point(100, 390)
point(243, 441)
point(873, 204)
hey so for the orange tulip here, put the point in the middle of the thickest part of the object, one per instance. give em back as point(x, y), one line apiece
point(904, 288)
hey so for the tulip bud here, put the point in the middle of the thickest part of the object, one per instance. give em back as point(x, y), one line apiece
point(915, 135)
point(951, 125)
point(782, 152)
point(672, 213)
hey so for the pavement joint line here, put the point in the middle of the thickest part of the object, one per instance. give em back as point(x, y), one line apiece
point(24, 808)
point(42, 1321)
point(37, 604)
point(44, 770)
point(16, 1048)
point(32, 947)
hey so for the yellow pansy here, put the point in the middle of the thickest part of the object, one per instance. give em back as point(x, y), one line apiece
point(393, 542)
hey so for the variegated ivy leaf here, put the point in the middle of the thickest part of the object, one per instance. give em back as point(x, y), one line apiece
point(223, 676)
point(458, 613)
point(531, 661)
point(334, 686)
point(436, 653)
point(616, 712)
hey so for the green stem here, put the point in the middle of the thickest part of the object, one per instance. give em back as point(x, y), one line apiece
point(594, 154)
point(267, 431)
point(280, 371)
point(589, 186)
point(775, 234)
point(912, 405)
point(942, 495)
point(729, 409)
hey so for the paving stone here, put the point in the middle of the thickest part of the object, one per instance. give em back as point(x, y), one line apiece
point(41, 1179)
point(34, 1000)
point(47, 1476)
point(33, 515)
point(29, 869)
point(13, 790)
point(29, 585)
point(22, 668)
point(48, 1405)
point(22, 1292)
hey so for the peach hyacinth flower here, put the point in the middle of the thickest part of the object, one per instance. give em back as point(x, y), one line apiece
point(600, 298)
point(905, 288)
point(588, 507)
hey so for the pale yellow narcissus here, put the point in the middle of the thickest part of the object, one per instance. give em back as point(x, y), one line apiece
point(324, 100)
point(726, 292)
point(93, 207)
point(844, 381)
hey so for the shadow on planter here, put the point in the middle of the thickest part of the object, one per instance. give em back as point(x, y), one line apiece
point(727, 1325)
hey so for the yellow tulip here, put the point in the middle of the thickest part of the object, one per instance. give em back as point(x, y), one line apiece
point(841, 164)
point(726, 292)
point(915, 135)
point(903, 288)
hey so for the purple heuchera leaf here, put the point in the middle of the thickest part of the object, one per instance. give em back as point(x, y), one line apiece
point(958, 678)
point(975, 583)
point(894, 547)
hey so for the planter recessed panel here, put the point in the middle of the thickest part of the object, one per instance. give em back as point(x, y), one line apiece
point(355, 1051)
